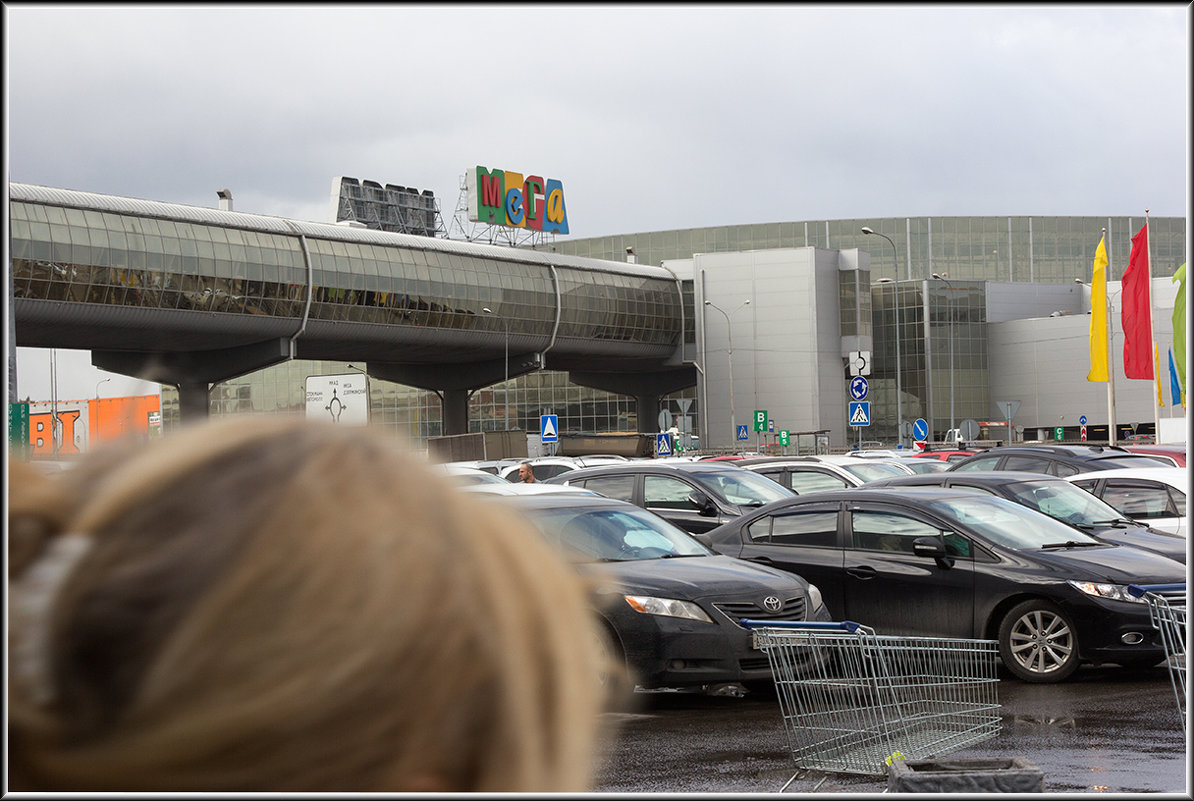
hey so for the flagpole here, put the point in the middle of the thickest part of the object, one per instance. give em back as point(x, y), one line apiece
point(1110, 342)
point(1152, 331)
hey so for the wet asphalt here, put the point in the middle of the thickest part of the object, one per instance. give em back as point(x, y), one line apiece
point(1106, 730)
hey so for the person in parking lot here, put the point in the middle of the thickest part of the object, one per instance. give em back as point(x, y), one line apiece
point(525, 474)
point(267, 604)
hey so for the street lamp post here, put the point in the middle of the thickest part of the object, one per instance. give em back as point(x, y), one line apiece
point(949, 310)
point(899, 387)
point(506, 380)
point(97, 386)
point(730, 361)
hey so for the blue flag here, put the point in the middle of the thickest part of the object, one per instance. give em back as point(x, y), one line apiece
point(1175, 386)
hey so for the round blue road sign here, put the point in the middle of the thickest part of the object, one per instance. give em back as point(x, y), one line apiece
point(858, 388)
point(1082, 420)
point(920, 430)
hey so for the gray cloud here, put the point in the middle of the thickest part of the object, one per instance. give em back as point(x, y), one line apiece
point(654, 117)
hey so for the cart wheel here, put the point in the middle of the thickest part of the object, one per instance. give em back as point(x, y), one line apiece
point(1037, 642)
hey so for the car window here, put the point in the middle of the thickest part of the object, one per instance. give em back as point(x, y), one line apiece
point(1062, 469)
point(1178, 499)
point(619, 487)
point(1138, 500)
point(986, 463)
point(810, 529)
point(887, 531)
point(542, 472)
point(589, 535)
point(973, 488)
point(806, 481)
point(742, 487)
point(1027, 463)
point(1006, 522)
point(1063, 501)
point(873, 472)
point(665, 492)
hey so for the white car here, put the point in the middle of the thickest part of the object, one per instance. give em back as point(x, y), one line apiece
point(1156, 496)
point(806, 474)
point(464, 476)
point(518, 488)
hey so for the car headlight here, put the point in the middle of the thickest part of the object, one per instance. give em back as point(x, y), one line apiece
point(1116, 592)
point(815, 601)
point(666, 607)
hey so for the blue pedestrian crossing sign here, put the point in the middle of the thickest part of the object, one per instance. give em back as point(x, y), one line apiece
point(860, 413)
point(858, 388)
point(742, 434)
point(549, 427)
point(920, 430)
point(663, 444)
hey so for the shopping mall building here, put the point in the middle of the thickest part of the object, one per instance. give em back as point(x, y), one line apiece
point(950, 319)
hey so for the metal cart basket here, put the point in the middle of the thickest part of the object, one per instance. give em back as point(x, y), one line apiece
point(852, 700)
point(1167, 612)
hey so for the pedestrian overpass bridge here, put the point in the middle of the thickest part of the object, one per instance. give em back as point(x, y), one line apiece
point(190, 296)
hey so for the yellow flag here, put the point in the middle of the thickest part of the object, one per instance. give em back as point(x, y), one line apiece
point(1098, 316)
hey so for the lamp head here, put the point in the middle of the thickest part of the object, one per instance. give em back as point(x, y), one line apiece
point(866, 230)
point(487, 310)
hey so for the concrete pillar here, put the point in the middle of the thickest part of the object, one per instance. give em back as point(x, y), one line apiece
point(455, 411)
point(193, 403)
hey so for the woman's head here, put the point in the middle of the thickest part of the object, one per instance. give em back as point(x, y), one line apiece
point(269, 604)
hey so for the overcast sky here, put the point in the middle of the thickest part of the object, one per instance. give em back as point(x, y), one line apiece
point(652, 117)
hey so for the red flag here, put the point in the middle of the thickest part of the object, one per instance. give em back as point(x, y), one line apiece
point(1136, 312)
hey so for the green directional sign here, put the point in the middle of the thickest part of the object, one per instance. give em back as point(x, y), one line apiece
point(760, 419)
point(783, 437)
point(1058, 433)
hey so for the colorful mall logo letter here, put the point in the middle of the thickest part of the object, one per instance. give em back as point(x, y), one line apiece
point(501, 197)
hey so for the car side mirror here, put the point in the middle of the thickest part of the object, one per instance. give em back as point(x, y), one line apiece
point(703, 503)
point(928, 546)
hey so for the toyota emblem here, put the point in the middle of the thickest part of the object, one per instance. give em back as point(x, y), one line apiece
point(772, 604)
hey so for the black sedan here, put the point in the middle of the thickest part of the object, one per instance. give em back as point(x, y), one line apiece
point(670, 605)
point(942, 563)
point(1057, 498)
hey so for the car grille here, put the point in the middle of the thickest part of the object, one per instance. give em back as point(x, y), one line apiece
point(793, 609)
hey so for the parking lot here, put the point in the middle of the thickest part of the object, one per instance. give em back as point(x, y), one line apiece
point(1107, 730)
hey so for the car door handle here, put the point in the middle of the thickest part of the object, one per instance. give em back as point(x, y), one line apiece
point(862, 572)
point(765, 560)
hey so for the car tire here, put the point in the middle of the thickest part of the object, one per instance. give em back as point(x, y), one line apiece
point(614, 678)
point(1037, 642)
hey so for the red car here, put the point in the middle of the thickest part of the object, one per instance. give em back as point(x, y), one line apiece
point(1165, 453)
point(945, 455)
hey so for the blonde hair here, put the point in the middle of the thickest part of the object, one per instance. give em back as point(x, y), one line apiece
point(271, 604)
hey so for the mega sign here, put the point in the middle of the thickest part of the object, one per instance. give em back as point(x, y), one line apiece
point(501, 197)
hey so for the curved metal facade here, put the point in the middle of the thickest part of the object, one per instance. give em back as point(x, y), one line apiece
point(113, 259)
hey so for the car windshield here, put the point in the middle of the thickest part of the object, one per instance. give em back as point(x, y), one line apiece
point(1066, 502)
point(742, 487)
point(613, 535)
point(1007, 523)
point(873, 472)
point(1131, 461)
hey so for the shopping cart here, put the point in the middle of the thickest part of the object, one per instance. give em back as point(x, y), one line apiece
point(852, 700)
point(1167, 612)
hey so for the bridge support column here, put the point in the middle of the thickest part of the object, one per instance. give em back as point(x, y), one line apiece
point(646, 388)
point(455, 411)
point(193, 372)
point(193, 401)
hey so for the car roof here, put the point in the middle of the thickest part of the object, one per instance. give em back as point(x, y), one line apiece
point(915, 494)
point(991, 477)
point(567, 499)
point(1173, 476)
point(649, 466)
point(538, 488)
